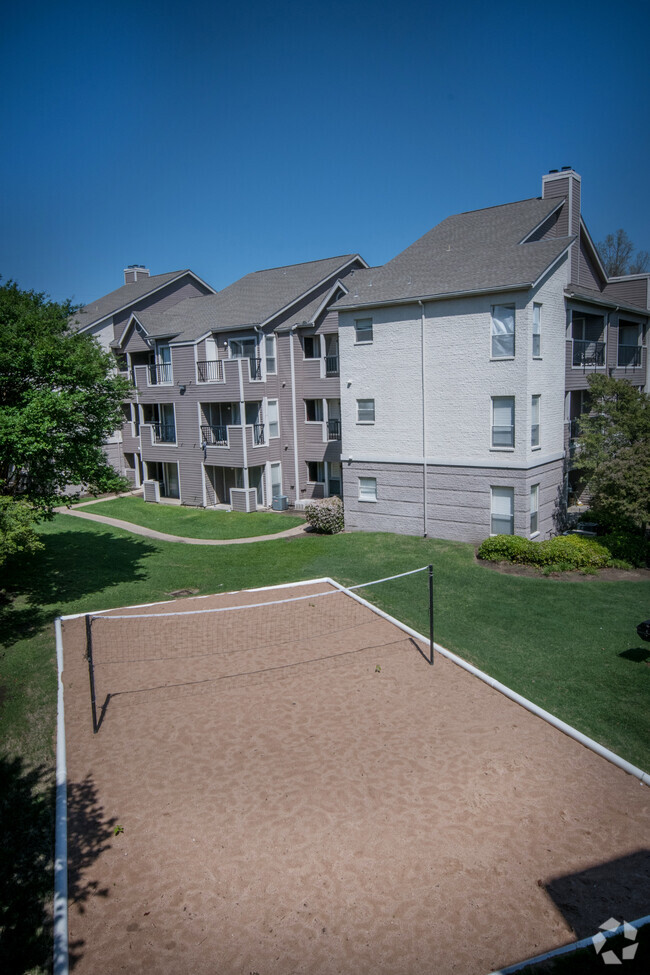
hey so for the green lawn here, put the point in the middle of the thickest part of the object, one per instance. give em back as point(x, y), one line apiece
point(195, 522)
point(570, 646)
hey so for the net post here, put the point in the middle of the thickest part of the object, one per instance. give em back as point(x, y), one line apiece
point(431, 614)
point(91, 671)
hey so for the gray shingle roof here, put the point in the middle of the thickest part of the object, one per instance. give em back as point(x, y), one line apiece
point(475, 251)
point(252, 300)
point(94, 311)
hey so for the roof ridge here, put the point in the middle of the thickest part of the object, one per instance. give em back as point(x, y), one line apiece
point(282, 267)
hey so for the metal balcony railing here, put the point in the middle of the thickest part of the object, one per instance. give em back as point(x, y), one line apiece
point(258, 434)
point(333, 429)
point(210, 371)
point(629, 355)
point(159, 373)
point(331, 365)
point(214, 436)
point(164, 432)
point(588, 353)
point(255, 367)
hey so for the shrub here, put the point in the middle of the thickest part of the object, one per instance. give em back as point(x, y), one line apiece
point(325, 516)
point(561, 554)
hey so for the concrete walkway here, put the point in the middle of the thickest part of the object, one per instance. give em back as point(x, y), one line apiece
point(163, 537)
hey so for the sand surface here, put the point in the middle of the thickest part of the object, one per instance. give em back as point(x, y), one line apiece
point(324, 808)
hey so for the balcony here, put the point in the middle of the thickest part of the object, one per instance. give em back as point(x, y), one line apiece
point(588, 353)
point(629, 356)
point(214, 436)
point(163, 432)
point(331, 365)
point(210, 371)
point(333, 429)
point(160, 373)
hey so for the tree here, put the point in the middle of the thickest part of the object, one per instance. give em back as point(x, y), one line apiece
point(615, 449)
point(60, 398)
point(616, 252)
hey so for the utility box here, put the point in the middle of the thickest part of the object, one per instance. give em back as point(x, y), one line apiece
point(281, 503)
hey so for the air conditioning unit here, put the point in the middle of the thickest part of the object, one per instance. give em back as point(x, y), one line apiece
point(280, 503)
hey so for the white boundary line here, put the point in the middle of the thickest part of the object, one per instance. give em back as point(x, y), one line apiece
point(60, 852)
point(568, 949)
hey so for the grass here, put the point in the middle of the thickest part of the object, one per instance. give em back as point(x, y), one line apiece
point(571, 647)
point(195, 522)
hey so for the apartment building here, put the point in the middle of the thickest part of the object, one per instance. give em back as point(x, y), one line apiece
point(465, 364)
point(236, 394)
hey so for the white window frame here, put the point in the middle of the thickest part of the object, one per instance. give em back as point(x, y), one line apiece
point(537, 330)
point(498, 403)
point(270, 352)
point(273, 413)
point(366, 414)
point(499, 331)
point(363, 334)
point(368, 489)
point(534, 510)
point(535, 422)
point(500, 494)
point(319, 406)
point(320, 469)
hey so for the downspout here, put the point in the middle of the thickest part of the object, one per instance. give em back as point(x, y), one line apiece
point(265, 412)
point(242, 410)
point(293, 414)
point(424, 424)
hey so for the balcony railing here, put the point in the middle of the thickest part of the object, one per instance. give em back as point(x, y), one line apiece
point(258, 434)
point(588, 353)
point(210, 371)
point(159, 373)
point(255, 366)
point(331, 365)
point(214, 436)
point(629, 355)
point(164, 432)
point(333, 429)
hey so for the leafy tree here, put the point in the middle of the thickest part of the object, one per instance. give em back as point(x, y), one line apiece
point(616, 252)
point(615, 449)
point(60, 398)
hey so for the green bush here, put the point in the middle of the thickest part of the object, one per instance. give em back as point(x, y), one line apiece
point(325, 516)
point(627, 547)
point(563, 553)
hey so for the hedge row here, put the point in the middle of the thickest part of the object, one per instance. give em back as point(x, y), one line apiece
point(562, 552)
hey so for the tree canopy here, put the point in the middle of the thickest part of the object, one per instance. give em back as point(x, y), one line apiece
point(617, 254)
point(615, 449)
point(60, 398)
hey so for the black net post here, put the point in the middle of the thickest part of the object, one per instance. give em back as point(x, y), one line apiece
point(91, 670)
point(431, 614)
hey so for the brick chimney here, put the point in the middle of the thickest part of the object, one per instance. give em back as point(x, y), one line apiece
point(565, 184)
point(135, 272)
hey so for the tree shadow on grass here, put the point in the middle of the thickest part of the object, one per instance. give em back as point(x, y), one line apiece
point(26, 866)
point(71, 565)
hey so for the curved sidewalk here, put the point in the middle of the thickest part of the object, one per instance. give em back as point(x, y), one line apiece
point(163, 537)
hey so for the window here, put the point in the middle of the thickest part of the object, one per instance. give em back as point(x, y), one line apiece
point(534, 421)
point(503, 421)
point(503, 331)
point(502, 511)
point(362, 330)
point(315, 471)
point(269, 342)
point(311, 345)
point(365, 411)
point(537, 331)
point(276, 480)
point(534, 508)
point(629, 350)
point(367, 489)
point(274, 420)
point(314, 410)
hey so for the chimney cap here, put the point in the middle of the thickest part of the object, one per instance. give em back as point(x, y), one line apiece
point(552, 171)
point(564, 168)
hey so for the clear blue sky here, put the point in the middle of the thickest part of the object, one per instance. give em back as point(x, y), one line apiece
point(232, 138)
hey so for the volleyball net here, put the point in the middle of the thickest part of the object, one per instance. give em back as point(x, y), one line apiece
point(160, 650)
